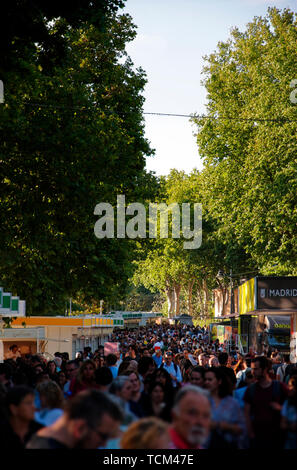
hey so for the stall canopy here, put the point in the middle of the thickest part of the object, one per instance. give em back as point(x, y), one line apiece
point(279, 322)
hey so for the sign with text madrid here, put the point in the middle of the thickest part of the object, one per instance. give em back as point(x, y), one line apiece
point(278, 293)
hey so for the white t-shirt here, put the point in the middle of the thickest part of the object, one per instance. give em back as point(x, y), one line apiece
point(281, 372)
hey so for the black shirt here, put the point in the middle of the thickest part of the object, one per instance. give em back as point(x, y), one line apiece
point(11, 439)
point(40, 442)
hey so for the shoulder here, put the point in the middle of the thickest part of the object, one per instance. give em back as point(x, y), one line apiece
point(40, 442)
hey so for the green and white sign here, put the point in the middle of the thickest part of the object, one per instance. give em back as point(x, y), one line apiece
point(11, 306)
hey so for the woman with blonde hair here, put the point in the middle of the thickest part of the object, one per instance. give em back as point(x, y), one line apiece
point(146, 433)
point(52, 402)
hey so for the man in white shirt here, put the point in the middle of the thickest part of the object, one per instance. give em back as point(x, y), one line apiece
point(13, 353)
point(172, 369)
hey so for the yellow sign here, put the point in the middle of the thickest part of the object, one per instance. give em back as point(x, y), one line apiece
point(247, 297)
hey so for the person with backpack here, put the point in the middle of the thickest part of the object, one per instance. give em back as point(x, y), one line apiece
point(286, 370)
point(172, 369)
point(263, 404)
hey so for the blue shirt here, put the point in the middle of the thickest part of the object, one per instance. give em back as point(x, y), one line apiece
point(171, 370)
point(158, 359)
point(114, 371)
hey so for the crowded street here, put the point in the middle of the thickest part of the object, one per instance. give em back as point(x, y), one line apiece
point(148, 244)
point(167, 387)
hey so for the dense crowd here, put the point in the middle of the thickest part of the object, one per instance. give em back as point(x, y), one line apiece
point(166, 387)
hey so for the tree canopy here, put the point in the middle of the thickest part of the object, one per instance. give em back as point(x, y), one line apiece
point(248, 142)
point(72, 136)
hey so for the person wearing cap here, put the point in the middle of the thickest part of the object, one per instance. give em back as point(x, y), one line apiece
point(157, 356)
point(159, 343)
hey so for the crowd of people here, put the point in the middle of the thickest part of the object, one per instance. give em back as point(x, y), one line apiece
point(165, 387)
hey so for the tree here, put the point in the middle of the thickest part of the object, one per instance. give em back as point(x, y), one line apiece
point(71, 136)
point(248, 142)
point(186, 277)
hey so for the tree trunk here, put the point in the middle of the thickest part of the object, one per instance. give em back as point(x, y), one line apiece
point(170, 301)
point(200, 298)
point(177, 288)
point(206, 298)
point(190, 295)
point(225, 295)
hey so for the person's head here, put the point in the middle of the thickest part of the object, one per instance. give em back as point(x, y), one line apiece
point(217, 382)
point(62, 379)
point(71, 369)
point(92, 417)
point(65, 356)
point(197, 376)
point(38, 369)
point(191, 415)
point(249, 378)
point(111, 360)
point(42, 377)
point(186, 353)
point(168, 357)
point(146, 433)
point(223, 358)
point(158, 351)
point(13, 348)
point(157, 392)
point(51, 367)
point(51, 395)
point(103, 378)
point(260, 366)
point(132, 351)
point(121, 386)
point(146, 352)
point(292, 389)
point(213, 361)
point(202, 360)
point(20, 403)
point(124, 366)
point(87, 351)
point(247, 360)
point(133, 366)
point(86, 371)
point(286, 358)
point(146, 366)
point(135, 381)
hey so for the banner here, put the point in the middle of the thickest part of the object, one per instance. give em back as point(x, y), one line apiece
point(111, 348)
point(221, 333)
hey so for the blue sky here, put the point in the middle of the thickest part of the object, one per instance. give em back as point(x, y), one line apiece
point(173, 36)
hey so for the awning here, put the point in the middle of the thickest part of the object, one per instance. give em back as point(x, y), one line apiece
point(270, 313)
point(279, 322)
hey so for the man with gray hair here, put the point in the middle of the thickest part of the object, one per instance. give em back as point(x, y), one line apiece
point(191, 418)
point(89, 420)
